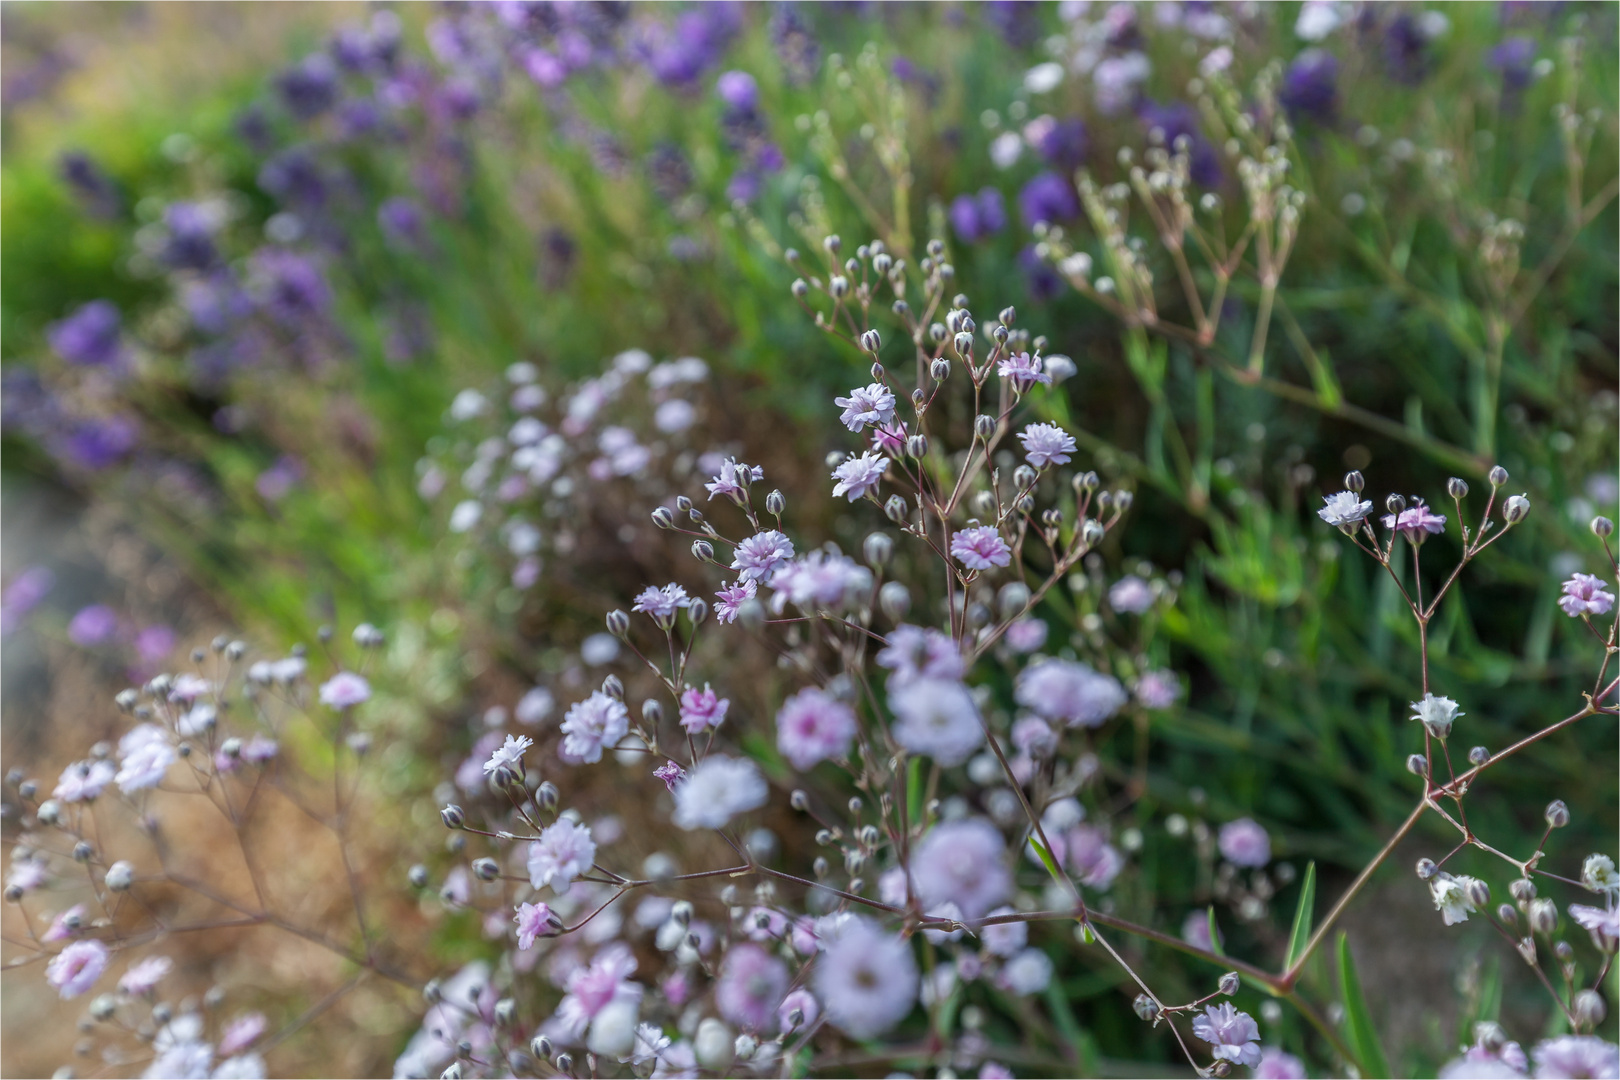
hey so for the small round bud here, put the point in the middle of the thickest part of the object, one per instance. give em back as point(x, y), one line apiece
point(984, 426)
point(1457, 487)
point(1602, 527)
point(126, 699)
point(936, 248)
point(433, 992)
point(453, 816)
point(103, 1007)
point(486, 869)
point(895, 600)
point(1221, 1069)
point(751, 614)
point(236, 650)
point(1014, 598)
point(1523, 890)
point(1146, 1007)
point(832, 242)
point(882, 262)
point(1426, 868)
point(1000, 334)
point(1479, 893)
point(1354, 481)
point(895, 509)
point(1092, 532)
point(1588, 1008)
point(939, 370)
point(838, 286)
point(775, 503)
point(652, 711)
point(418, 876)
point(820, 867)
point(1564, 951)
point(501, 778)
point(799, 800)
point(1543, 915)
point(540, 1047)
point(1124, 499)
point(1507, 915)
point(917, 446)
point(878, 549)
point(1395, 504)
point(1417, 765)
point(120, 875)
point(49, 813)
point(1024, 476)
point(745, 1046)
point(1228, 984)
point(1515, 509)
point(565, 1063)
point(1557, 814)
point(1499, 476)
point(1478, 756)
point(505, 1010)
point(702, 551)
point(613, 687)
point(698, 611)
point(937, 332)
point(964, 343)
point(546, 797)
point(83, 852)
point(664, 517)
point(681, 912)
point(871, 341)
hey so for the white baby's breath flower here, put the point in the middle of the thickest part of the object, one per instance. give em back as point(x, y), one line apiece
point(1599, 874)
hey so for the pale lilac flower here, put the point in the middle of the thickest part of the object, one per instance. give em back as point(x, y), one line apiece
point(702, 710)
point(866, 978)
point(1131, 595)
point(912, 652)
point(671, 774)
point(761, 555)
point(964, 863)
point(1602, 923)
point(1344, 511)
point(65, 925)
point(1026, 635)
point(937, 717)
point(766, 924)
point(733, 480)
point(180, 1059)
point(592, 989)
point(872, 404)
point(83, 781)
point(592, 725)
point(1028, 972)
point(1024, 370)
point(662, 604)
point(1069, 692)
point(729, 599)
point(259, 749)
point(1195, 931)
point(534, 706)
point(188, 687)
point(465, 515)
point(241, 1033)
point(1416, 522)
point(994, 1070)
point(1090, 857)
point(25, 876)
point(718, 789)
point(1033, 736)
point(1599, 875)
point(1278, 1065)
point(1584, 594)
point(1158, 689)
point(1576, 1056)
point(1234, 1034)
point(1004, 939)
point(144, 756)
point(92, 625)
point(1046, 444)
point(890, 438)
point(674, 415)
point(818, 580)
point(803, 1002)
point(510, 755)
point(751, 985)
point(76, 968)
point(1437, 714)
point(144, 975)
point(1451, 898)
point(1244, 842)
point(813, 726)
point(650, 1043)
point(1468, 1068)
point(345, 690)
point(564, 851)
point(980, 547)
point(534, 921)
point(859, 475)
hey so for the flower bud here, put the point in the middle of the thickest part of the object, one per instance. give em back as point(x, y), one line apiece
point(1523, 890)
point(1024, 476)
point(1457, 487)
point(832, 242)
point(895, 509)
point(799, 800)
point(453, 816)
point(120, 875)
point(1479, 893)
point(775, 503)
point(1092, 532)
point(702, 551)
point(126, 699)
point(1563, 950)
point(1602, 527)
point(697, 611)
point(1146, 1007)
point(1543, 915)
point(1221, 1069)
point(751, 614)
point(418, 876)
point(49, 813)
point(1124, 499)
point(565, 1063)
point(1508, 915)
point(1515, 509)
point(838, 286)
point(984, 426)
point(102, 1008)
point(546, 797)
point(917, 446)
point(1014, 598)
point(1228, 984)
point(1499, 476)
point(820, 867)
point(745, 1046)
point(1426, 869)
point(1354, 481)
point(1417, 765)
point(964, 343)
point(937, 332)
point(714, 1045)
point(895, 600)
point(1588, 1008)
point(433, 992)
point(939, 370)
point(882, 262)
point(1395, 504)
point(486, 869)
point(664, 517)
point(1557, 814)
point(878, 549)
point(1478, 756)
point(82, 851)
point(613, 687)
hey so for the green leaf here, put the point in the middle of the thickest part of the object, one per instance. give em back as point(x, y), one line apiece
point(1214, 933)
point(1301, 934)
point(1357, 1022)
point(1046, 858)
point(914, 789)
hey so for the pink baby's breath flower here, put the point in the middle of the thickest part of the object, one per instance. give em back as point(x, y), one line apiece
point(591, 989)
point(1576, 1056)
point(1130, 594)
point(259, 749)
point(76, 968)
point(1277, 1065)
point(671, 774)
point(1584, 594)
point(818, 580)
point(964, 863)
point(145, 755)
point(1195, 931)
point(761, 555)
point(1602, 923)
point(813, 726)
point(83, 781)
point(345, 690)
point(729, 599)
point(1069, 692)
point(890, 439)
point(859, 475)
point(534, 921)
point(865, 977)
point(1004, 939)
point(1024, 370)
point(241, 1033)
point(751, 985)
point(702, 710)
point(1417, 522)
point(733, 480)
point(509, 755)
point(65, 925)
point(188, 687)
point(1235, 1035)
point(866, 405)
point(592, 725)
point(143, 975)
point(912, 652)
point(1046, 444)
point(564, 851)
point(937, 717)
point(800, 1001)
point(1158, 689)
point(662, 603)
point(1026, 635)
point(1090, 856)
point(1244, 842)
point(980, 547)
point(1034, 736)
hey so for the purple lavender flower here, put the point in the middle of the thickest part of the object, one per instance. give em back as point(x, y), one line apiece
point(729, 599)
point(702, 710)
point(1047, 197)
point(761, 555)
point(1584, 594)
point(975, 217)
point(99, 443)
point(873, 404)
point(796, 48)
point(1513, 58)
point(90, 337)
point(401, 221)
point(1416, 522)
point(858, 476)
point(93, 625)
point(1310, 86)
point(296, 178)
point(980, 547)
point(76, 968)
point(964, 863)
point(1046, 444)
point(1179, 120)
point(1234, 1034)
point(1069, 692)
point(594, 725)
point(23, 595)
point(1024, 370)
point(813, 726)
point(290, 287)
point(1043, 282)
point(1017, 21)
point(190, 244)
point(91, 185)
point(309, 87)
point(738, 89)
point(1405, 50)
point(564, 851)
point(679, 54)
point(1245, 842)
point(937, 717)
point(1576, 1056)
point(866, 977)
point(751, 985)
point(1064, 144)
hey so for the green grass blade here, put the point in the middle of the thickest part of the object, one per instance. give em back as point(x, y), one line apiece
point(1214, 933)
point(1357, 1022)
point(1301, 934)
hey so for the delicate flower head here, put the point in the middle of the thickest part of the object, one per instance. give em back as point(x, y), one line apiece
point(1599, 875)
point(913, 652)
point(1576, 1056)
point(143, 975)
point(751, 985)
point(1004, 939)
point(965, 863)
point(1417, 522)
point(729, 599)
point(662, 603)
point(799, 1001)
point(1025, 371)
point(937, 717)
point(510, 754)
point(345, 690)
point(671, 774)
point(1069, 692)
point(241, 1033)
point(1602, 923)
point(1235, 1035)
point(890, 438)
point(1130, 595)
point(1027, 972)
point(1089, 855)
point(592, 725)
point(76, 968)
point(1244, 842)
point(92, 625)
point(859, 475)
point(650, 1044)
point(818, 580)
point(1277, 1064)
point(733, 480)
point(1158, 689)
point(866, 405)
point(65, 925)
point(1584, 594)
point(564, 851)
point(813, 726)
point(1451, 898)
point(145, 755)
point(1437, 714)
point(1046, 444)
point(534, 921)
point(717, 790)
point(1344, 511)
point(534, 706)
point(761, 555)
point(83, 781)
point(592, 988)
point(1026, 635)
point(866, 977)
point(702, 710)
point(980, 547)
